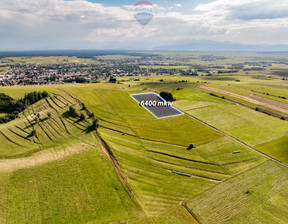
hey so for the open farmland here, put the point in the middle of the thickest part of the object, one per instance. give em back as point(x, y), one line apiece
point(66, 184)
point(221, 161)
point(268, 180)
point(148, 160)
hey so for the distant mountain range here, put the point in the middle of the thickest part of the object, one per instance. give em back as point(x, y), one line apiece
point(144, 49)
point(208, 45)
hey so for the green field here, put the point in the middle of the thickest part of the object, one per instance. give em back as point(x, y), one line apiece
point(78, 187)
point(136, 169)
point(258, 195)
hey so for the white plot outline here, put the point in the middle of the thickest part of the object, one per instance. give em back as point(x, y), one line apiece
point(174, 115)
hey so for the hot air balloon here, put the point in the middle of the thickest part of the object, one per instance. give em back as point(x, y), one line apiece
point(143, 12)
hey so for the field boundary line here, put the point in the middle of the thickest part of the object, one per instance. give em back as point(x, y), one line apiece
point(238, 140)
point(190, 212)
point(136, 136)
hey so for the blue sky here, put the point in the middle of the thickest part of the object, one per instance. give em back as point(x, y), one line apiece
point(110, 24)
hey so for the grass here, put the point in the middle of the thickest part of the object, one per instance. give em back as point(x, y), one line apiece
point(175, 215)
point(19, 91)
point(245, 124)
point(256, 196)
point(80, 188)
point(148, 164)
point(77, 184)
point(277, 148)
point(191, 94)
point(49, 131)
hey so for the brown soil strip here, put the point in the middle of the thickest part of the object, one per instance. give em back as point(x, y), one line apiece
point(42, 157)
point(247, 99)
point(270, 101)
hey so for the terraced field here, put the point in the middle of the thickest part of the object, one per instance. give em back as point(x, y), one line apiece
point(154, 157)
point(59, 175)
point(52, 127)
point(137, 169)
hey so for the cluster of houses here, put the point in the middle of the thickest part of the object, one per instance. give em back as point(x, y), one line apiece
point(43, 74)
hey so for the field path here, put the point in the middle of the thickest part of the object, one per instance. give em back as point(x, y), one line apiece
point(43, 157)
point(247, 99)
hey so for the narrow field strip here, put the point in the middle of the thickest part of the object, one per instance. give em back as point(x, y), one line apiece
point(178, 157)
point(21, 136)
point(10, 139)
point(21, 129)
point(195, 175)
point(136, 136)
point(192, 168)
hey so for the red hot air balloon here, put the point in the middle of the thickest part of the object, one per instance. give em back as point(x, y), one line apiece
point(143, 12)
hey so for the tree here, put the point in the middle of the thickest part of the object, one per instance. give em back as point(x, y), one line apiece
point(49, 114)
point(95, 124)
point(36, 120)
point(112, 79)
point(82, 117)
point(167, 96)
point(191, 146)
point(45, 94)
point(72, 110)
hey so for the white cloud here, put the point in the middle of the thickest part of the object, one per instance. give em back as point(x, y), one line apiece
point(54, 23)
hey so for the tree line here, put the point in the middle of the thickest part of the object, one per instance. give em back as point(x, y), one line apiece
point(13, 107)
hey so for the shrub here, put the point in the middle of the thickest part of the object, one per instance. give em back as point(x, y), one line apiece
point(191, 146)
point(82, 117)
point(167, 96)
point(95, 124)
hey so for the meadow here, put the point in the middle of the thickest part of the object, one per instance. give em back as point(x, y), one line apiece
point(137, 169)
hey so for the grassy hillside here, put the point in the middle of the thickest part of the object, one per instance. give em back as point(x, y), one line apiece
point(258, 196)
point(66, 184)
point(59, 175)
point(70, 174)
point(150, 150)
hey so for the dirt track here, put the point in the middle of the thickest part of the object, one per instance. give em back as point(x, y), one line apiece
point(247, 99)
